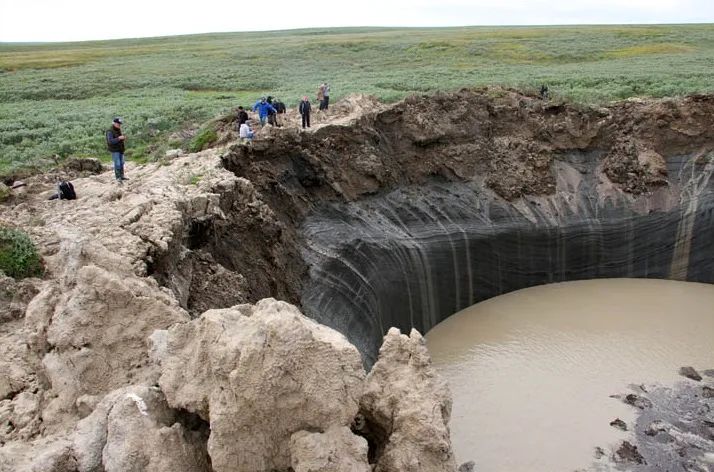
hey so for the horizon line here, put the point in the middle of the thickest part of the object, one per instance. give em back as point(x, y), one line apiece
point(327, 28)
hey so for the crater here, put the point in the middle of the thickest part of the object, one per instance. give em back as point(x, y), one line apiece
point(420, 209)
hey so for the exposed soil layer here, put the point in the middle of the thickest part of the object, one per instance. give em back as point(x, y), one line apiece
point(507, 138)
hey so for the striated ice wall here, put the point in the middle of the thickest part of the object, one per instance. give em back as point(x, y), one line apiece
point(413, 257)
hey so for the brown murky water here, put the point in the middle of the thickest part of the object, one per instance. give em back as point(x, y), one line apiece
point(531, 372)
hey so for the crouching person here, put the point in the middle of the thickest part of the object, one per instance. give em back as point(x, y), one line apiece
point(246, 133)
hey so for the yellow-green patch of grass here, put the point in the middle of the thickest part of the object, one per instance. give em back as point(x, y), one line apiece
point(514, 52)
point(640, 31)
point(46, 59)
point(42, 57)
point(509, 33)
point(648, 49)
point(195, 179)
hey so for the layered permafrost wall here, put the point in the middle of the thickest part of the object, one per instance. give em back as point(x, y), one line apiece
point(414, 256)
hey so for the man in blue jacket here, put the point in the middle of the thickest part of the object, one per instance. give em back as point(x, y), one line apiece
point(115, 144)
point(263, 108)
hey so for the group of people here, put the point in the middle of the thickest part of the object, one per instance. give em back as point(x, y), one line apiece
point(269, 110)
point(323, 95)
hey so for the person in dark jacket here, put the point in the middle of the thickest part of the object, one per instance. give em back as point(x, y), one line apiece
point(263, 108)
point(280, 108)
point(304, 110)
point(115, 144)
point(242, 116)
point(272, 114)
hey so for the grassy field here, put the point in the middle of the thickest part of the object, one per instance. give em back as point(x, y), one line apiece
point(59, 98)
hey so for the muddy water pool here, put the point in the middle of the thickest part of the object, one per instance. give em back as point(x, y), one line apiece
point(531, 372)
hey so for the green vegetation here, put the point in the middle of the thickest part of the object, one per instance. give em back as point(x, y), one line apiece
point(59, 98)
point(18, 256)
point(203, 139)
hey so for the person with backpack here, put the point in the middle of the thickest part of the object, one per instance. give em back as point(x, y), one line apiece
point(115, 144)
point(304, 110)
point(263, 108)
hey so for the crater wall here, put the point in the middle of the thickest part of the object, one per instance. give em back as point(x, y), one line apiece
point(416, 255)
point(413, 211)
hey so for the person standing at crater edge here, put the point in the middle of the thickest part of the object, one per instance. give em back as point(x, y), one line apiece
point(242, 116)
point(321, 95)
point(115, 144)
point(281, 109)
point(304, 110)
point(263, 108)
point(326, 95)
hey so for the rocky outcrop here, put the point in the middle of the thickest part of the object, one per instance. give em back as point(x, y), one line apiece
point(86, 332)
point(335, 450)
point(258, 374)
point(57, 457)
point(134, 429)
point(21, 416)
point(407, 406)
point(14, 297)
point(92, 327)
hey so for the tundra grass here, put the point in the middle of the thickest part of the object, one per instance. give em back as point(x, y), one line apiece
point(57, 99)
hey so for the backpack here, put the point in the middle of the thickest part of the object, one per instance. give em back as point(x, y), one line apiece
point(65, 190)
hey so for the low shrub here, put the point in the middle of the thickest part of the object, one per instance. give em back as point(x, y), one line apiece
point(203, 140)
point(18, 256)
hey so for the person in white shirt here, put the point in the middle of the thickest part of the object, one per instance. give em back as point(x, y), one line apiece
point(246, 134)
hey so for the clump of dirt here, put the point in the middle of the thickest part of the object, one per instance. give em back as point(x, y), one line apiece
point(635, 169)
point(519, 168)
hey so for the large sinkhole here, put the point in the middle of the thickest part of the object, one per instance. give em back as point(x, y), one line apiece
point(411, 214)
point(414, 256)
point(414, 212)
